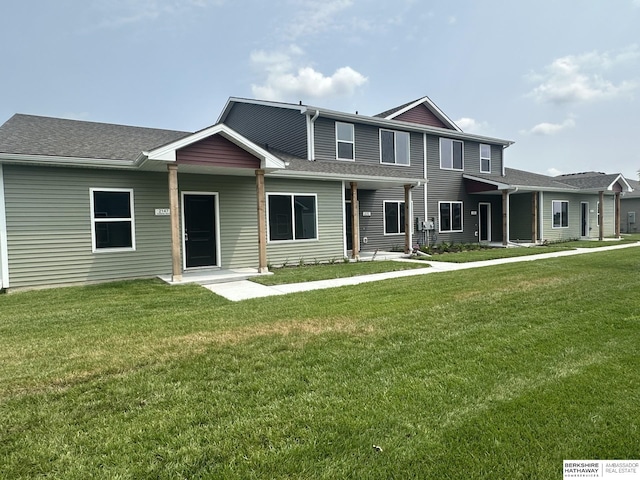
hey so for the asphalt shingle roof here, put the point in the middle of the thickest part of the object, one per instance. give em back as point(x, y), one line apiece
point(35, 135)
point(522, 178)
point(589, 180)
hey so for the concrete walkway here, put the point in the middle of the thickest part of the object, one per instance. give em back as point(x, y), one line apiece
point(245, 289)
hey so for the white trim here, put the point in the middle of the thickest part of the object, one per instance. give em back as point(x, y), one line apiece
point(167, 153)
point(483, 158)
point(395, 147)
point(450, 202)
point(452, 159)
point(426, 157)
point(216, 213)
point(293, 220)
point(264, 103)
point(384, 217)
point(552, 215)
point(620, 177)
point(352, 142)
point(391, 181)
point(94, 220)
point(541, 215)
point(488, 204)
point(54, 160)
point(4, 252)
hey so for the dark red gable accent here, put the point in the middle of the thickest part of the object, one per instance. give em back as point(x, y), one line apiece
point(617, 187)
point(216, 151)
point(473, 186)
point(422, 115)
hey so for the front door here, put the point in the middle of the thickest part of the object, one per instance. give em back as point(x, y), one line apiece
point(200, 230)
point(349, 225)
point(584, 219)
point(484, 222)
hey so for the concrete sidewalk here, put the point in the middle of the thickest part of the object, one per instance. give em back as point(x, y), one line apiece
point(245, 289)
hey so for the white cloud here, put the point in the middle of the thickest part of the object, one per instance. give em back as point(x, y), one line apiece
point(316, 17)
point(554, 172)
point(546, 128)
point(579, 78)
point(471, 125)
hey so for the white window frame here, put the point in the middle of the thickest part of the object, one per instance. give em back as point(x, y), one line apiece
point(293, 220)
point(451, 159)
point(395, 147)
point(401, 225)
point(95, 220)
point(553, 220)
point(352, 141)
point(488, 159)
point(440, 230)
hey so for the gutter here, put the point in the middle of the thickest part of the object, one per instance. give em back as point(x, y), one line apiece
point(65, 161)
point(311, 143)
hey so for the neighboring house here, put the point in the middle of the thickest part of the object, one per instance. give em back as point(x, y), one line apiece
point(270, 183)
point(630, 209)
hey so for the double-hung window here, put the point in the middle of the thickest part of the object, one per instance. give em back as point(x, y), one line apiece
point(394, 217)
point(394, 147)
point(292, 217)
point(345, 141)
point(560, 209)
point(485, 158)
point(451, 154)
point(112, 219)
point(450, 214)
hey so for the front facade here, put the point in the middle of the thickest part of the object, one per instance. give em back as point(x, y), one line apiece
point(269, 184)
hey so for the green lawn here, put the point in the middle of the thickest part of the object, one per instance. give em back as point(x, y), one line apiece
point(309, 273)
point(492, 373)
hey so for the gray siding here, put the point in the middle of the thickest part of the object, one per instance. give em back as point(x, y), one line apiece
point(629, 205)
point(367, 147)
point(49, 226)
point(520, 210)
point(372, 227)
point(330, 243)
point(281, 128)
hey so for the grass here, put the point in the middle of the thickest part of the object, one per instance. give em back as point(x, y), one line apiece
point(309, 273)
point(487, 373)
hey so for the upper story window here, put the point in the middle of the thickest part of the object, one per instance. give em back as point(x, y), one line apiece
point(345, 141)
point(112, 222)
point(292, 217)
point(394, 147)
point(485, 158)
point(451, 154)
point(560, 210)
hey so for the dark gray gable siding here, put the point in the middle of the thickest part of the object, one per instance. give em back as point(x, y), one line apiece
point(367, 147)
point(281, 128)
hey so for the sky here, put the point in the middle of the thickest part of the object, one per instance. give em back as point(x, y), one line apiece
point(560, 78)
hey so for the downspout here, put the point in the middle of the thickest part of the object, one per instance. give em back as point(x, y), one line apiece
point(541, 215)
point(4, 255)
point(311, 144)
point(426, 192)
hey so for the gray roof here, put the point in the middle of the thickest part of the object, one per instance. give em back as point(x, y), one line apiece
point(589, 180)
point(521, 178)
point(340, 167)
point(35, 135)
point(636, 189)
point(391, 111)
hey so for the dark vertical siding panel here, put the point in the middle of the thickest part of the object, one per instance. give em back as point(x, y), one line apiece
point(281, 128)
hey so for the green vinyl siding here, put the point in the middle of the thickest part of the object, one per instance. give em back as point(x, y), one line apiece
point(330, 242)
point(238, 215)
point(49, 226)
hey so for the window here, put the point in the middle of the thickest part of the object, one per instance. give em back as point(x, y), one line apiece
point(560, 213)
point(394, 147)
point(598, 218)
point(112, 222)
point(393, 217)
point(450, 216)
point(485, 158)
point(451, 154)
point(345, 141)
point(292, 217)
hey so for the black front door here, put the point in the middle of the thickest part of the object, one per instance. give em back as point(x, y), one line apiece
point(484, 222)
point(349, 225)
point(200, 230)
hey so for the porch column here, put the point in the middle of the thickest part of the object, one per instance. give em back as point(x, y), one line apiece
point(617, 214)
point(407, 219)
point(534, 217)
point(601, 215)
point(262, 222)
point(355, 222)
point(505, 217)
point(174, 212)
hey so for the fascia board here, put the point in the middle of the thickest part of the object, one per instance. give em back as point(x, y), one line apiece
point(624, 180)
point(232, 100)
point(347, 177)
point(64, 161)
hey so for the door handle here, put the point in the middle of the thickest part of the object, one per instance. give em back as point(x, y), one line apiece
point(186, 237)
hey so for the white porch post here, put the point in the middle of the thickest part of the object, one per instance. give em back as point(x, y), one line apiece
point(407, 219)
point(601, 215)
